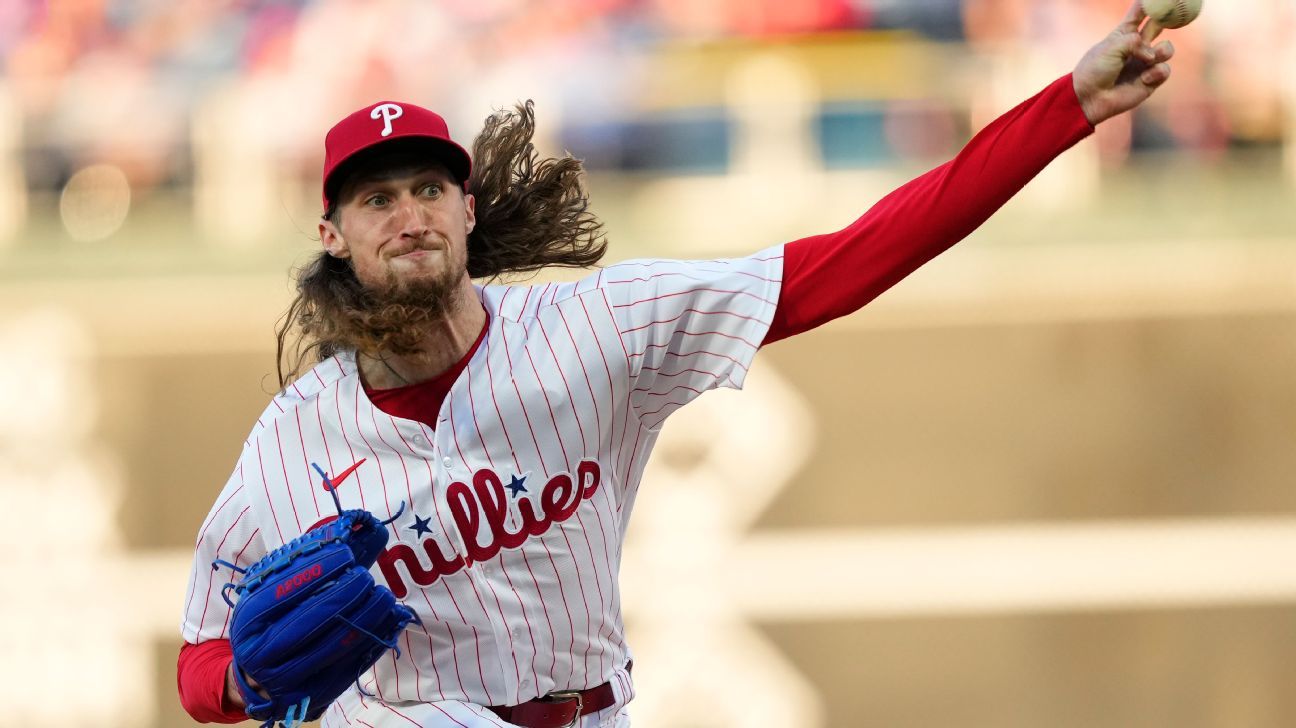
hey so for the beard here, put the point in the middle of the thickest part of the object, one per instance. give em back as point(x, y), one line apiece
point(431, 294)
point(400, 311)
point(390, 315)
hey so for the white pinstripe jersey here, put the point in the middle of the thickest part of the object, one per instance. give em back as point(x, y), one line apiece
point(517, 502)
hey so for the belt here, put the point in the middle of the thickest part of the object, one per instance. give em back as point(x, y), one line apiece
point(559, 709)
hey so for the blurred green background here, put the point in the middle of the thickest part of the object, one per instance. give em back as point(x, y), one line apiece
point(1047, 480)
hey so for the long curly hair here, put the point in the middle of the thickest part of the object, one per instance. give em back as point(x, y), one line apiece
point(532, 213)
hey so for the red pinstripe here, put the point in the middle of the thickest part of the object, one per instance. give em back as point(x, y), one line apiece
point(540, 299)
point(616, 676)
point(212, 574)
point(237, 558)
point(411, 720)
point(678, 332)
point(301, 438)
point(328, 452)
point(522, 311)
point(558, 434)
point(698, 311)
point(553, 638)
point(648, 393)
point(613, 598)
point(266, 484)
point(337, 402)
point(386, 501)
point(728, 268)
point(615, 324)
point(645, 279)
point(483, 713)
point(692, 291)
point(708, 352)
point(504, 426)
point(522, 405)
point(603, 625)
point(662, 375)
point(530, 631)
point(535, 674)
point(606, 368)
point(193, 588)
point(754, 276)
point(472, 407)
point(625, 425)
point(220, 507)
point(418, 675)
point(342, 710)
point(668, 404)
point(575, 411)
point(382, 477)
point(454, 649)
point(571, 625)
point(557, 575)
point(449, 591)
point(598, 417)
point(454, 652)
point(630, 466)
point(283, 465)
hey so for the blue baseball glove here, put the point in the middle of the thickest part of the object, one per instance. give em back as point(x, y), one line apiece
point(310, 619)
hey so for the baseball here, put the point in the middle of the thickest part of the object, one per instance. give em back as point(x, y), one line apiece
point(1172, 13)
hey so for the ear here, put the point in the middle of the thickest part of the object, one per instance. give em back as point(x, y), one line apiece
point(470, 211)
point(332, 240)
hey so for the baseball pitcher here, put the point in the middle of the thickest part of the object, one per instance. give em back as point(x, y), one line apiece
point(424, 527)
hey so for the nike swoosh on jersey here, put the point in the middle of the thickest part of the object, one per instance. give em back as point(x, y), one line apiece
point(335, 482)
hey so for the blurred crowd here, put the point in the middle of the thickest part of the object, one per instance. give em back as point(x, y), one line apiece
point(180, 93)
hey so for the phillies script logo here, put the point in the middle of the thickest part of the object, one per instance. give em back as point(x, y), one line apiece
point(285, 587)
point(485, 503)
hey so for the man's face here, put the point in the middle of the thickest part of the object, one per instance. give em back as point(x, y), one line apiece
point(404, 229)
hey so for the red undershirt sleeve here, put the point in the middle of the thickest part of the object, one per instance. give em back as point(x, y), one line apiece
point(832, 275)
point(200, 676)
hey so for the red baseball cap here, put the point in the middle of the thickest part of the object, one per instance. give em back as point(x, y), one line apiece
point(386, 121)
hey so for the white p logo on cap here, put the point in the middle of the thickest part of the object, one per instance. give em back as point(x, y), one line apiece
point(389, 113)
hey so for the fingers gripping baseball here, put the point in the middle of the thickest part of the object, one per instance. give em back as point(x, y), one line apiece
point(1122, 71)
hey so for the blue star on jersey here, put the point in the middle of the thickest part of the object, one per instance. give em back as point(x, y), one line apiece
point(420, 526)
point(516, 485)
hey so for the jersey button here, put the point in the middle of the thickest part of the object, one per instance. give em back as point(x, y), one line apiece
point(446, 462)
